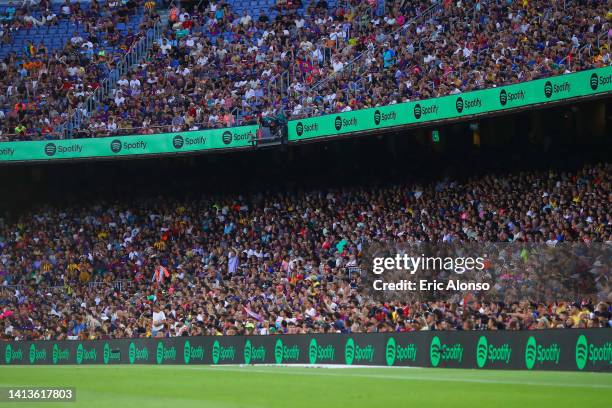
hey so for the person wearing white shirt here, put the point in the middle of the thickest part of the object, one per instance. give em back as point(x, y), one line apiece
point(76, 39)
point(297, 110)
point(337, 65)
point(165, 46)
point(329, 98)
point(134, 83)
point(337, 35)
point(151, 78)
point(50, 16)
point(111, 125)
point(123, 81)
point(159, 319)
point(119, 99)
point(306, 45)
point(34, 21)
point(73, 70)
point(317, 55)
point(246, 19)
point(310, 311)
point(250, 93)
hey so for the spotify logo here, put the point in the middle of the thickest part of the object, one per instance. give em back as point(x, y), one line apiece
point(50, 149)
point(594, 81)
point(227, 137)
point(548, 89)
point(377, 117)
point(115, 146)
point(178, 142)
point(582, 352)
point(459, 105)
point(503, 97)
point(278, 351)
point(417, 111)
point(338, 123)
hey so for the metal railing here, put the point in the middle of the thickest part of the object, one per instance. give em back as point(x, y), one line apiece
point(458, 72)
point(12, 288)
point(88, 133)
point(358, 85)
point(357, 61)
point(21, 287)
point(354, 270)
point(279, 83)
point(588, 47)
point(119, 284)
point(355, 67)
point(132, 58)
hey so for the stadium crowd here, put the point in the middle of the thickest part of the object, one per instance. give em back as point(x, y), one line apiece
point(280, 263)
point(42, 87)
point(215, 68)
point(459, 46)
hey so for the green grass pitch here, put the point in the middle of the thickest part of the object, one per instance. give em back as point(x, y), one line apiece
point(287, 387)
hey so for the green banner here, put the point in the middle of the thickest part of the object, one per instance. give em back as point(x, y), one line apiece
point(160, 143)
point(555, 349)
point(553, 89)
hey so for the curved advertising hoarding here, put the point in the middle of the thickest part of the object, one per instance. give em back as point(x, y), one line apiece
point(525, 94)
point(134, 145)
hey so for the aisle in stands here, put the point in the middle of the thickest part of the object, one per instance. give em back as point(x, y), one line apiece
point(236, 62)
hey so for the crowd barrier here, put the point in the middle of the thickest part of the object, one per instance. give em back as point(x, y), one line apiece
point(135, 145)
point(563, 349)
point(487, 101)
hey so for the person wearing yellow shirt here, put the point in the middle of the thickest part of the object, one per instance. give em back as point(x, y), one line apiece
point(576, 314)
point(84, 276)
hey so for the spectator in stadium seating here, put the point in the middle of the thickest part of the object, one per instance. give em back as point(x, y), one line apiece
point(289, 263)
point(46, 88)
point(354, 56)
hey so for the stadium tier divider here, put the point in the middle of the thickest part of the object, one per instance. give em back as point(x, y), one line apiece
point(528, 94)
point(569, 87)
